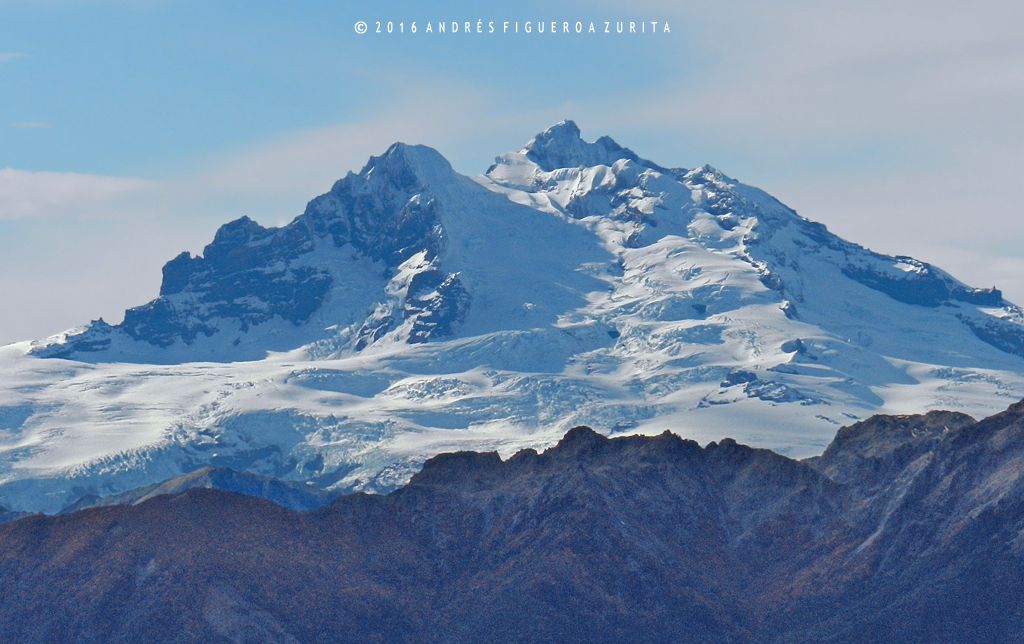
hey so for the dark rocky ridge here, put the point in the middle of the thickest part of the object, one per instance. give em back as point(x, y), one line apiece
point(907, 529)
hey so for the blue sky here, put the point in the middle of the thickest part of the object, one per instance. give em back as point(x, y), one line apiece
point(154, 88)
point(130, 130)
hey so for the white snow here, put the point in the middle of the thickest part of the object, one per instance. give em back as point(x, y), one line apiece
point(613, 295)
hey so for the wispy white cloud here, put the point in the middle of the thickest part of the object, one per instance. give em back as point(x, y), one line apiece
point(75, 247)
point(792, 72)
point(6, 58)
point(30, 124)
point(55, 194)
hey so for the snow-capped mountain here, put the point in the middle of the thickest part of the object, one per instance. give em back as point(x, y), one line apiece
point(411, 310)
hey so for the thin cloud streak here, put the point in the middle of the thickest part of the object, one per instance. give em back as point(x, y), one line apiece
point(61, 194)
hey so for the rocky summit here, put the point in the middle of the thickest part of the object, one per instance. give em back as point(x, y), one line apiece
point(906, 529)
point(410, 311)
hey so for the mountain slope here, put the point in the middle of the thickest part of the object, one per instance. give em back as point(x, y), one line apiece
point(293, 496)
point(411, 310)
point(383, 256)
point(633, 539)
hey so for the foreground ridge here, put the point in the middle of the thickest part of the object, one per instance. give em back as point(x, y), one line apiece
point(906, 529)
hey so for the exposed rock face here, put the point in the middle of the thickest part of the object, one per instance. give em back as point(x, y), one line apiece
point(907, 529)
point(871, 453)
point(250, 275)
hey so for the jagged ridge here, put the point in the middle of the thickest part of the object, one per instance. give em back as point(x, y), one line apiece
point(906, 529)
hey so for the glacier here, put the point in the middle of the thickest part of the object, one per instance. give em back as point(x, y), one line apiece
point(411, 310)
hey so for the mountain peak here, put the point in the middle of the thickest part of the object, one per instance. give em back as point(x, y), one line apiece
point(407, 167)
point(230, 236)
point(580, 439)
point(562, 146)
point(563, 131)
